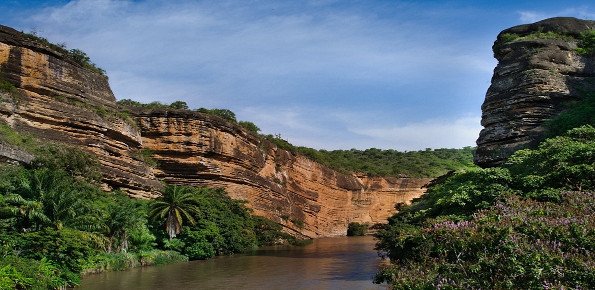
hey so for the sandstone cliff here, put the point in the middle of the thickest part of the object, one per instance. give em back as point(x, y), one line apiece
point(58, 99)
point(538, 72)
point(304, 196)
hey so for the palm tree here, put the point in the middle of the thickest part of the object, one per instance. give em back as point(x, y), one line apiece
point(178, 203)
point(28, 213)
point(122, 216)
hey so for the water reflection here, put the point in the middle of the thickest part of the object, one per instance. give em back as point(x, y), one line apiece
point(329, 263)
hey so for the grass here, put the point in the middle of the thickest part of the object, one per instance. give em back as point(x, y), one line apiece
point(126, 260)
point(145, 155)
point(513, 37)
point(8, 88)
point(17, 139)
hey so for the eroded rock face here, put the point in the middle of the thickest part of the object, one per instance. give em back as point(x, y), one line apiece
point(307, 198)
point(533, 80)
point(56, 99)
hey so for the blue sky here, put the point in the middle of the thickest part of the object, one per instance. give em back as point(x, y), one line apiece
point(405, 75)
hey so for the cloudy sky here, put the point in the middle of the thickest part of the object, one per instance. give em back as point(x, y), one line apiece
point(326, 74)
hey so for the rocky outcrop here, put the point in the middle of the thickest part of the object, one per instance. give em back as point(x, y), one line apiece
point(538, 71)
point(304, 196)
point(10, 154)
point(57, 99)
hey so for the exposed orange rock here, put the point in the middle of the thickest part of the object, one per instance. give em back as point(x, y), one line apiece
point(61, 101)
point(304, 196)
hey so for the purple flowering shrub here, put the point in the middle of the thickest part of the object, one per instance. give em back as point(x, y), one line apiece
point(529, 224)
point(518, 243)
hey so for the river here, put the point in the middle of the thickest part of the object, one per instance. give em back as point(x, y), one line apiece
point(327, 263)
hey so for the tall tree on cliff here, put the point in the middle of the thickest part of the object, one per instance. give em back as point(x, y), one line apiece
point(178, 203)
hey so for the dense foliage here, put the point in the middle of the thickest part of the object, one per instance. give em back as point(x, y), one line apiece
point(513, 37)
point(585, 41)
point(56, 223)
point(526, 225)
point(586, 45)
point(223, 226)
point(376, 162)
point(176, 105)
point(577, 113)
point(357, 229)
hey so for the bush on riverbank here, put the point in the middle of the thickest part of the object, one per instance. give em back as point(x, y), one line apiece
point(126, 260)
point(528, 224)
point(357, 229)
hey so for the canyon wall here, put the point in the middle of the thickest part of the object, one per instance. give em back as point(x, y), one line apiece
point(306, 197)
point(56, 99)
point(538, 72)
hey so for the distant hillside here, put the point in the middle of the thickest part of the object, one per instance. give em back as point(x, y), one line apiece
point(376, 162)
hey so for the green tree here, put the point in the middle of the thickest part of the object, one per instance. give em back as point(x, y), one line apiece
point(123, 216)
point(176, 205)
point(28, 213)
point(179, 105)
point(223, 113)
point(249, 126)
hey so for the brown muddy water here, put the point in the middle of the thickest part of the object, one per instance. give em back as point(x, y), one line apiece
point(327, 263)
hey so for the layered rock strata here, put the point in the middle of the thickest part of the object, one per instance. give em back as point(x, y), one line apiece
point(57, 99)
point(538, 72)
point(304, 196)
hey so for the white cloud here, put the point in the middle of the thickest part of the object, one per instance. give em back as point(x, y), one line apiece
point(435, 133)
point(230, 48)
point(282, 65)
point(530, 16)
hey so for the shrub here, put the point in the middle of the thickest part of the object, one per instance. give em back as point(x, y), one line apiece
point(586, 44)
point(357, 229)
point(202, 243)
point(145, 155)
point(458, 195)
point(512, 37)
point(20, 140)
point(179, 105)
point(565, 162)
point(519, 243)
point(269, 232)
point(223, 113)
point(22, 273)
point(512, 227)
point(67, 248)
point(74, 161)
point(576, 114)
point(249, 126)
